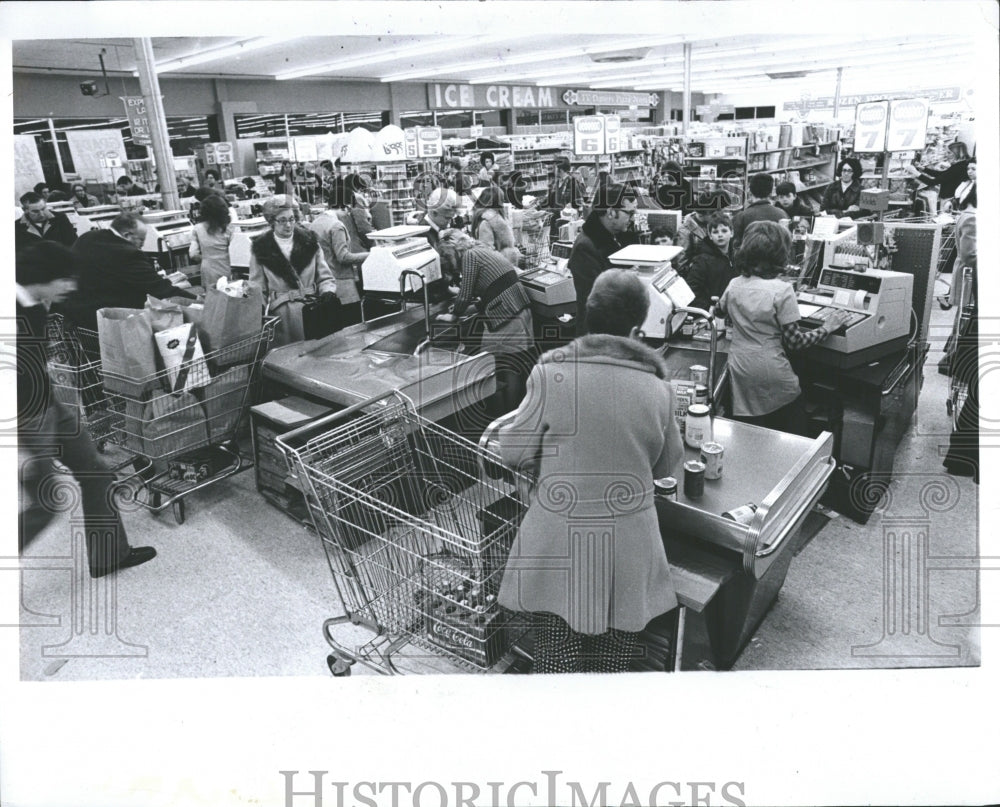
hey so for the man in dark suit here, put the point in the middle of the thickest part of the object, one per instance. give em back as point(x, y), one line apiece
point(47, 429)
point(126, 187)
point(114, 272)
point(38, 223)
point(600, 237)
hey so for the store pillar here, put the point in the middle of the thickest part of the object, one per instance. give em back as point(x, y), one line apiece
point(164, 158)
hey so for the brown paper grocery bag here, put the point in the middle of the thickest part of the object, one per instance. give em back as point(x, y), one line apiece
point(172, 423)
point(128, 355)
point(223, 401)
point(163, 314)
point(230, 325)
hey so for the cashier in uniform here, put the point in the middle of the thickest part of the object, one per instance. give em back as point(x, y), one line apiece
point(765, 314)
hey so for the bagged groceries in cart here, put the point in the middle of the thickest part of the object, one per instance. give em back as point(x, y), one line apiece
point(234, 312)
point(182, 357)
point(128, 353)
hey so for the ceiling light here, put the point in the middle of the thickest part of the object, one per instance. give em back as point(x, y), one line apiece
point(392, 55)
point(527, 58)
point(236, 49)
point(618, 56)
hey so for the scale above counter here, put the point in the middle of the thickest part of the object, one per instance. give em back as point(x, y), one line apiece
point(667, 290)
point(394, 250)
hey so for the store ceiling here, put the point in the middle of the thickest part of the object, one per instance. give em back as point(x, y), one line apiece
point(641, 62)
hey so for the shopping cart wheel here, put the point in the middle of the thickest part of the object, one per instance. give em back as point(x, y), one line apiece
point(102, 446)
point(178, 509)
point(950, 406)
point(339, 668)
point(154, 500)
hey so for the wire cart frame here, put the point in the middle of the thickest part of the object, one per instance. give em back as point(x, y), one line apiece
point(531, 236)
point(958, 389)
point(189, 438)
point(416, 532)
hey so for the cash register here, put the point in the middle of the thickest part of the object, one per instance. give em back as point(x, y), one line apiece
point(878, 305)
point(667, 290)
point(394, 250)
point(551, 284)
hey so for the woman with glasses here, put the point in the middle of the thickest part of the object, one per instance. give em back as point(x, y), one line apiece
point(842, 198)
point(287, 264)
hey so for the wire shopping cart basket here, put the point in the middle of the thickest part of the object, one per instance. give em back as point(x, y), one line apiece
point(416, 534)
point(74, 367)
point(531, 234)
point(189, 436)
point(958, 387)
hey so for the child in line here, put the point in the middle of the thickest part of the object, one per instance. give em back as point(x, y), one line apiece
point(712, 268)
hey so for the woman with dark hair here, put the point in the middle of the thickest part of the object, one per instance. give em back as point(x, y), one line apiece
point(287, 264)
point(764, 314)
point(489, 225)
point(486, 171)
point(965, 193)
point(595, 428)
point(842, 198)
point(673, 191)
point(284, 180)
point(80, 198)
point(210, 239)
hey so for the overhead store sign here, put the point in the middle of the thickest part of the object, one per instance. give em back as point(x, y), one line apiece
point(938, 94)
point(138, 121)
point(871, 121)
point(504, 96)
point(604, 98)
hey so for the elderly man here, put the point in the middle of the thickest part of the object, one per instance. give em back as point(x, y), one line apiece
point(40, 224)
point(115, 272)
point(613, 209)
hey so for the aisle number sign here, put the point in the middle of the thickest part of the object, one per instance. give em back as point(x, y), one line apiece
point(907, 124)
point(870, 124)
point(612, 134)
point(420, 142)
point(589, 135)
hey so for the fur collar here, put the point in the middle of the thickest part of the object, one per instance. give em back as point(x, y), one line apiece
point(617, 348)
point(304, 249)
point(596, 232)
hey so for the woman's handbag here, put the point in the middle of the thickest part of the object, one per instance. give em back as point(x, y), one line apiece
point(320, 317)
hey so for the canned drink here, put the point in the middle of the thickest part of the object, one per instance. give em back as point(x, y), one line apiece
point(700, 394)
point(694, 479)
point(699, 374)
point(711, 455)
point(742, 514)
point(665, 488)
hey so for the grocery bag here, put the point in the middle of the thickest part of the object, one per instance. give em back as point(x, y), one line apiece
point(128, 354)
point(167, 424)
point(230, 325)
point(163, 314)
point(183, 357)
point(223, 401)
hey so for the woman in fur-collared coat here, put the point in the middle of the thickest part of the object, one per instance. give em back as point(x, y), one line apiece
point(287, 264)
point(596, 427)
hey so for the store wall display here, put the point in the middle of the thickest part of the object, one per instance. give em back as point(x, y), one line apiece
point(95, 151)
point(27, 165)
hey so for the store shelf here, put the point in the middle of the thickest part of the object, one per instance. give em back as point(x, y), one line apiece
point(797, 166)
point(792, 148)
point(716, 159)
point(817, 185)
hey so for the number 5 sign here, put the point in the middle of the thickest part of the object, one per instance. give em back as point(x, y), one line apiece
point(907, 124)
point(870, 124)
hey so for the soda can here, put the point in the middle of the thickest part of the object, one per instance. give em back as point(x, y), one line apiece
point(665, 488)
point(699, 374)
point(711, 455)
point(694, 479)
point(700, 394)
point(742, 514)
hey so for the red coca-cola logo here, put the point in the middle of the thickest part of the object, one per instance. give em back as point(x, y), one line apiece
point(871, 115)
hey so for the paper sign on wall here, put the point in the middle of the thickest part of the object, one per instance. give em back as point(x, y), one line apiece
point(89, 147)
point(907, 124)
point(27, 165)
point(588, 135)
point(870, 124)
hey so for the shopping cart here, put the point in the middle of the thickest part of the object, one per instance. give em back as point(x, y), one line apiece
point(948, 249)
point(958, 388)
point(74, 366)
point(416, 534)
point(531, 235)
point(189, 437)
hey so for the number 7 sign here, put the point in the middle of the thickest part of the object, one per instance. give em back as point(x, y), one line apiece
point(870, 123)
point(907, 124)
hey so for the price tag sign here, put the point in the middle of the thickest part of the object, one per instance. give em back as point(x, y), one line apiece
point(612, 134)
point(907, 124)
point(588, 135)
point(870, 124)
point(429, 142)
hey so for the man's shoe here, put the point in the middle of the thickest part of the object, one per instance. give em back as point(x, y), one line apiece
point(136, 555)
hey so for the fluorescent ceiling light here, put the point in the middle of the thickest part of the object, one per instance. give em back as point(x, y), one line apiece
point(236, 49)
point(392, 55)
point(528, 58)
